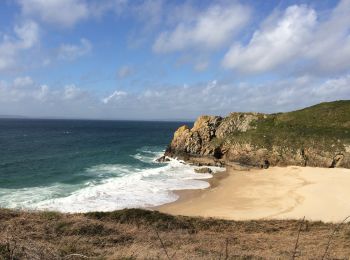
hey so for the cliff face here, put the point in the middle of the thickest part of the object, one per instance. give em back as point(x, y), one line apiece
point(318, 136)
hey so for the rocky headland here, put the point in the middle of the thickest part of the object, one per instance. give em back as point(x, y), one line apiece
point(317, 136)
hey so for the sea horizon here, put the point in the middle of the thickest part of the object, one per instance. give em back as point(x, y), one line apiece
point(5, 117)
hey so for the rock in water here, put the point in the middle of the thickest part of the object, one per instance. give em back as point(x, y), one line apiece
point(163, 159)
point(203, 170)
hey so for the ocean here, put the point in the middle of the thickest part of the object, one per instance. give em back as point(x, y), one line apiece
point(89, 165)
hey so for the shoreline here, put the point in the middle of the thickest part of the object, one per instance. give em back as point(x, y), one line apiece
point(188, 194)
point(319, 194)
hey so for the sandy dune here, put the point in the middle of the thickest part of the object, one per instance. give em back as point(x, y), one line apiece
point(279, 193)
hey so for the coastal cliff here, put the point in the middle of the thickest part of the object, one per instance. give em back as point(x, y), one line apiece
point(317, 136)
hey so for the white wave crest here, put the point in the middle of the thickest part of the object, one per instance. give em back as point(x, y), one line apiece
point(142, 188)
point(148, 154)
point(120, 187)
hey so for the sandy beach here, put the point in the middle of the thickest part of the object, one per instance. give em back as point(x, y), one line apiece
point(276, 193)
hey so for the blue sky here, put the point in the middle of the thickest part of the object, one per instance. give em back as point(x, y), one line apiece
point(123, 59)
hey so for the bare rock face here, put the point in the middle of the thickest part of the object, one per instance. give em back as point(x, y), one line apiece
point(248, 154)
point(196, 141)
point(237, 122)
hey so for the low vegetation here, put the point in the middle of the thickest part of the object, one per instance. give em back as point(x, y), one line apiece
point(141, 234)
point(325, 126)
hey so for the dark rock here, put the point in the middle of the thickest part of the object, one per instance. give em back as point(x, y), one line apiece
point(163, 159)
point(266, 164)
point(203, 170)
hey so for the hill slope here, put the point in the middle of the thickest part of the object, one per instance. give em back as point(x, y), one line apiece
point(314, 136)
point(139, 234)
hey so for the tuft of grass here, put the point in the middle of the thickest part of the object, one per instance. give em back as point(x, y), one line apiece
point(140, 217)
point(61, 227)
point(50, 215)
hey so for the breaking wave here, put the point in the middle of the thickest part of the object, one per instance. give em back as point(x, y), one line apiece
point(119, 186)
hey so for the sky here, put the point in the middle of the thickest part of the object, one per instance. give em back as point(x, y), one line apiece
point(171, 60)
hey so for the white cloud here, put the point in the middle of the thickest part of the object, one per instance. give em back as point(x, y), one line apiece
point(330, 47)
point(338, 86)
point(98, 8)
point(115, 96)
point(22, 82)
point(64, 13)
point(21, 88)
point(28, 34)
point(71, 52)
point(210, 29)
point(297, 41)
point(220, 99)
point(41, 100)
point(279, 41)
point(25, 37)
point(67, 13)
point(42, 92)
point(175, 102)
point(25, 88)
point(71, 92)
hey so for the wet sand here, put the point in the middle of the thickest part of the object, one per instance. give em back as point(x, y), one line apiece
point(276, 193)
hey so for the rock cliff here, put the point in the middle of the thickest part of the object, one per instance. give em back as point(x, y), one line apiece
point(317, 136)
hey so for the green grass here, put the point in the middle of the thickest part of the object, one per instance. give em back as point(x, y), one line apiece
point(333, 115)
point(324, 126)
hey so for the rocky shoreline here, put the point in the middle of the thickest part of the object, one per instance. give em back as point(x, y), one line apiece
point(241, 140)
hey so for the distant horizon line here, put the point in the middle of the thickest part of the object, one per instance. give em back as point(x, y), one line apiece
point(92, 119)
point(152, 120)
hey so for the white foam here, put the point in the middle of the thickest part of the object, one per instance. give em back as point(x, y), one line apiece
point(148, 154)
point(143, 188)
point(118, 187)
point(27, 197)
point(103, 170)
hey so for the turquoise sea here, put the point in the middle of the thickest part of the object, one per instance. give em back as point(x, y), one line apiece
point(86, 165)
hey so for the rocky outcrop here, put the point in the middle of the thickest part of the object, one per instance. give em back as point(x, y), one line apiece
point(203, 170)
point(248, 154)
point(214, 140)
point(240, 122)
point(196, 141)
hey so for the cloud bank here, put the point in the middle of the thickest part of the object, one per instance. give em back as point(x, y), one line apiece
point(171, 102)
point(296, 40)
point(209, 29)
point(65, 13)
point(24, 37)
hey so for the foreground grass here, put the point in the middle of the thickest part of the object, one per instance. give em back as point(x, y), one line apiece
point(141, 234)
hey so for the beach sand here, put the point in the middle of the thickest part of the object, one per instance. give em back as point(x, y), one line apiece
point(276, 193)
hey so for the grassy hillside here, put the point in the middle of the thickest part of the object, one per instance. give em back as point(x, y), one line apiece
point(141, 234)
point(325, 115)
point(325, 126)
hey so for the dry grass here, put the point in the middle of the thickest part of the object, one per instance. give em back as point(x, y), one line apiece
point(140, 234)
